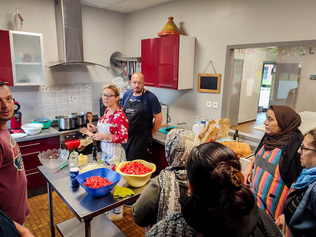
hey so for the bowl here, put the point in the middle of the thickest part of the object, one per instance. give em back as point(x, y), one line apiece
point(45, 121)
point(91, 166)
point(32, 128)
point(136, 180)
point(103, 172)
point(53, 159)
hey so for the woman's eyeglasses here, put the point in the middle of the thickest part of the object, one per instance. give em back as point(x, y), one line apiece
point(108, 96)
point(305, 148)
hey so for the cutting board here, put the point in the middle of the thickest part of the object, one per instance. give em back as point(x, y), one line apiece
point(166, 130)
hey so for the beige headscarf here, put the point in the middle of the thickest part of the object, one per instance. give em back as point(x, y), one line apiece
point(179, 143)
point(173, 179)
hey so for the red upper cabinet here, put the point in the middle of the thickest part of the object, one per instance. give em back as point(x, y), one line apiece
point(168, 62)
point(149, 59)
point(6, 74)
point(21, 61)
point(173, 67)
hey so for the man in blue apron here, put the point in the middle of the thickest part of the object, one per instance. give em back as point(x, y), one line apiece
point(143, 112)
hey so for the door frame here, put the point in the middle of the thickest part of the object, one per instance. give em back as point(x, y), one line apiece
point(229, 66)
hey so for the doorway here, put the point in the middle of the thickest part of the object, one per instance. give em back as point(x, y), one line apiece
point(270, 75)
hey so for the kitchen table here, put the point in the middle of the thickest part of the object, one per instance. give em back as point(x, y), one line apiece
point(86, 208)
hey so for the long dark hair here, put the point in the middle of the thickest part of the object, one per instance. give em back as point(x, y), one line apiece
point(212, 170)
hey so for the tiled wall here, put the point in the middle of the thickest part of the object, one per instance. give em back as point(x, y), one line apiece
point(66, 99)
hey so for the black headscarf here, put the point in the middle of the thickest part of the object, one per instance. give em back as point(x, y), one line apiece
point(288, 120)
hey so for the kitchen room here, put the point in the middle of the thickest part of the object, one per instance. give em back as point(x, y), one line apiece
point(108, 31)
point(214, 24)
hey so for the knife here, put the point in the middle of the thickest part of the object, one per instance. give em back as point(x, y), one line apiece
point(63, 166)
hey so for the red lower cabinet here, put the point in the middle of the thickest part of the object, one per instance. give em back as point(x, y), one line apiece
point(157, 155)
point(30, 151)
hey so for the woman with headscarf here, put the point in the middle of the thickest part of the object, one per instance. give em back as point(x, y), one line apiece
point(218, 203)
point(276, 164)
point(161, 197)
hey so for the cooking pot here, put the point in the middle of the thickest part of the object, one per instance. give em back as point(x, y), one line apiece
point(67, 122)
point(82, 118)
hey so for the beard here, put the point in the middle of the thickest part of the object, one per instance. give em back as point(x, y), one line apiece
point(7, 118)
point(138, 90)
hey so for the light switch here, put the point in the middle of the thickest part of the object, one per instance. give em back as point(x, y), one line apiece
point(215, 105)
point(208, 104)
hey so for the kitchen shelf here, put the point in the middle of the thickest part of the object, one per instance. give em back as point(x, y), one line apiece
point(128, 59)
point(28, 64)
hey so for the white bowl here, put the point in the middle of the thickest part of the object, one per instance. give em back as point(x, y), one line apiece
point(32, 128)
point(53, 159)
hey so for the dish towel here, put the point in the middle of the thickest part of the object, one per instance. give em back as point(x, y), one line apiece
point(122, 192)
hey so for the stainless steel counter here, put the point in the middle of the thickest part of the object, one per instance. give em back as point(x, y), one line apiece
point(84, 206)
point(49, 132)
point(160, 138)
point(250, 139)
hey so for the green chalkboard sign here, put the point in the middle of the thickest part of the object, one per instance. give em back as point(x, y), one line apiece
point(210, 83)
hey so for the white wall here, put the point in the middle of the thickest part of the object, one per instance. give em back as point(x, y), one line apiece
point(103, 33)
point(216, 24)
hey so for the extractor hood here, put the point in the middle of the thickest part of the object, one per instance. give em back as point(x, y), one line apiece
point(69, 34)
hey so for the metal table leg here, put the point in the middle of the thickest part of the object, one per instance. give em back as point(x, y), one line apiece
point(87, 228)
point(51, 214)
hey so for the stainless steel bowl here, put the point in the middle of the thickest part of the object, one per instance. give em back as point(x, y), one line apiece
point(67, 122)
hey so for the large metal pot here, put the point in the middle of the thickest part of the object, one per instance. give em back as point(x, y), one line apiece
point(82, 118)
point(67, 122)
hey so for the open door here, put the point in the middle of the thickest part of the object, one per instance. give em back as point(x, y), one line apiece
point(267, 84)
point(287, 76)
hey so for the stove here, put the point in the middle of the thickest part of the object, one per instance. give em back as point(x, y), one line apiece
point(69, 131)
point(73, 134)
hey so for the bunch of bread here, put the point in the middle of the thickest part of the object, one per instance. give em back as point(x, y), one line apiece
point(215, 130)
point(241, 149)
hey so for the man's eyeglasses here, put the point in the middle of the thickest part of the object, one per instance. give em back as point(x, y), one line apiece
point(108, 96)
point(305, 148)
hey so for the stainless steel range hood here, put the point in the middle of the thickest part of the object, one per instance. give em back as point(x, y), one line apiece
point(69, 34)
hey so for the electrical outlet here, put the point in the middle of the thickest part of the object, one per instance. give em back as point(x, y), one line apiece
point(215, 105)
point(208, 104)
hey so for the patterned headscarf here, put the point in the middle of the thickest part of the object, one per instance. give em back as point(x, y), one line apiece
point(288, 120)
point(179, 143)
point(173, 179)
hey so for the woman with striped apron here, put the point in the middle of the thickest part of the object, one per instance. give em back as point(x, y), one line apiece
point(276, 165)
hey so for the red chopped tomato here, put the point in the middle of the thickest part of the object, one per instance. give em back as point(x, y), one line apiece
point(135, 168)
point(97, 182)
point(113, 167)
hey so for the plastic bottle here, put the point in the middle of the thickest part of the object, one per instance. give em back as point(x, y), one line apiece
point(73, 169)
point(95, 152)
point(73, 159)
point(197, 120)
point(198, 127)
point(236, 136)
point(203, 120)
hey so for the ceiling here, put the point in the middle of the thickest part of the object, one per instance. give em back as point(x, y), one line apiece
point(123, 6)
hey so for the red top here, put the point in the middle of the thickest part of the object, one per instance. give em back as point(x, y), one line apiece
point(13, 183)
point(118, 125)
